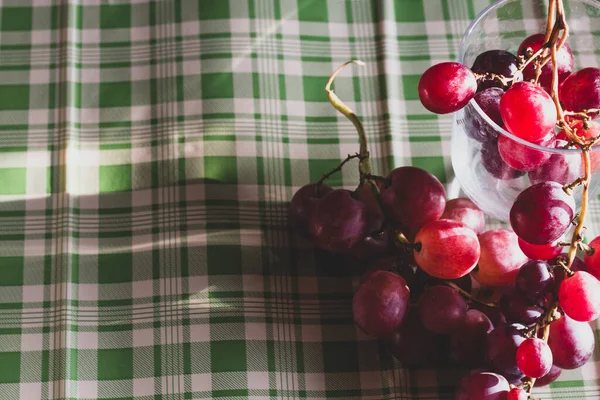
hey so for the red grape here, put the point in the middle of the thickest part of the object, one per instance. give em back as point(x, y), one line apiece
point(465, 211)
point(542, 252)
point(467, 340)
point(522, 157)
point(534, 279)
point(564, 58)
point(476, 126)
point(572, 342)
point(534, 357)
point(561, 168)
point(498, 62)
point(542, 213)
point(339, 221)
point(482, 386)
point(414, 198)
point(446, 87)
point(549, 377)
point(593, 261)
point(528, 111)
point(494, 164)
point(441, 309)
point(413, 345)
point(446, 249)
point(518, 308)
point(303, 203)
point(581, 90)
point(500, 258)
point(380, 304)
point(501, 351)
point(592, 131)
point(517, 393)
point(579, 296)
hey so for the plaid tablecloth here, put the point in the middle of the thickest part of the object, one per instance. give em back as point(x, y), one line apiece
point(148, 150)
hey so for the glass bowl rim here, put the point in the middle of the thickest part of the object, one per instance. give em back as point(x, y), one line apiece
point(473, 103)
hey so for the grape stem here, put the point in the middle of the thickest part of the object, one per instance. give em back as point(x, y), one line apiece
point(468, 295)
point(339, 167)
point(377, 178)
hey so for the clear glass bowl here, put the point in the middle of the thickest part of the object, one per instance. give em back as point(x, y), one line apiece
point(504, 25)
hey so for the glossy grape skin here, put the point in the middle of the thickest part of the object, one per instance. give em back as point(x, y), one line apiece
point(534, 357)
point(564, 57)
point(441, 309)
point(446, 87)
point(560, 168)
point(581, 90)
point(413, 345)
point(534, 279)
point(549, 377)
point(593, 261)
point(522, 157)
point(498, 62)
point(303, 203)
point(579, 296)
point(494, 164)
point(338, 222)
point(528, 111)
point(517, 393)
point(572, 342)
point(519, 309)
point(542, 252)
point(465, 211)
point(468, 339)
point(482, 386)
point(500, 258)
point(446, 249)
point(476, 126)
point(501, 351)
point(414, 198)
point(542, 213)
point(381, 303)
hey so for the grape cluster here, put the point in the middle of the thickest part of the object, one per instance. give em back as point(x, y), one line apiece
point(527, 316)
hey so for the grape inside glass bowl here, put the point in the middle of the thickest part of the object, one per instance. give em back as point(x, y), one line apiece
point(492, 165)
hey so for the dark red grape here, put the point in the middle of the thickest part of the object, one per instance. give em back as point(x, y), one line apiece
point(467, 340)
point(579, 296)
point(493, 313)
point(482, 386)
point(494, 164)
point(413, 345)
point(518, 308)
point(414, 198)
point(303, 203)
point(498, 62)
point(380, 304)
point(534, 279)
point(564, 58)
point(561, 168)
point(542, 252)
point(581, 90)
point(377, 238)
point(523, 157)
point(501, 351)
point(476, 126)
point(534, 357)
point(465, 211)
point(528, 111)
point(500, 258)
point(338, 222)
point(441, 309)
point(572, 342)
point(542, 213)
point(549, 377)
point(446, 249)
point(446, 87)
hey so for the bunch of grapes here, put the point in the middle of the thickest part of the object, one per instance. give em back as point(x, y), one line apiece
point(527, 316)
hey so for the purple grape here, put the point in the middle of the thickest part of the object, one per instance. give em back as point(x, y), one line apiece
point(482, 386)
point(493, 313)
point(499, 62)
point(495, 165)
point(581, 90)
point(303, 204)
point(549, 377)
point(476, 126)
point(572, 342)
point(467, 341)
point(519, 308)
point(441, 309)
point(501, 351)
point(534, 279)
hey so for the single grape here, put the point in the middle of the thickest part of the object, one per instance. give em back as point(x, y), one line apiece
point(542, 213)
point(523, 157)
point(482, 386)
point(500, 258)
point(380, 304)
point(476, 126)
point(593, 260)
point(561, 168)
point(468, 339)
point(339, 222)
point(534, 357)
point(501, 351)
point(564, 58)
point(519, 309)
point(572, 342)
point(498, 62)
point(446, 87)
point(534, 279)
point(517, 393)
point(494, 164)
point(542, 252)
point(465, 211)
point(528, 111)
point(441, 309)
point(579, 296)
point(302, 205)
point(549, 377)
point(413, 345)
point(414, 198)
point(581, 90)
point(446, 249)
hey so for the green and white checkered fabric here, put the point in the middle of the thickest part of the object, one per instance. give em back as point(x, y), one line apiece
point(148, 150)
